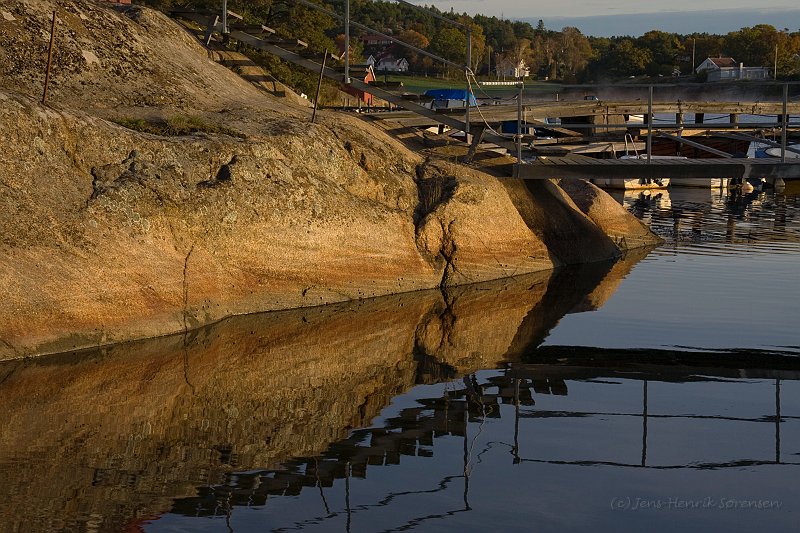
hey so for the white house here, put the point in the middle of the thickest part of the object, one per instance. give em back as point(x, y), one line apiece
point(726, 68)
point(512, 70)
point(392, 64)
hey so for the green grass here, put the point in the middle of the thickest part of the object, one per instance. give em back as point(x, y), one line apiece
point(175, 126)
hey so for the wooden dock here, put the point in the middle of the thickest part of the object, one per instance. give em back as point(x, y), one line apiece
point(597, 116)
point(577, 166)
point(538, 111)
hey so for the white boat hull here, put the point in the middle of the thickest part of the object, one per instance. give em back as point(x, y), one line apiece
point(632, 183)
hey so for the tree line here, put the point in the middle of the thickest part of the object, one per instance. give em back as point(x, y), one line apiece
point(498, 44)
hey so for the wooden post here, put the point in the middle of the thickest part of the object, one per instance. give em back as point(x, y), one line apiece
point(734, 120)
point(785, 126)
point(649, 124)
point(477, 139)
point(699, 118)
point(319, 85)
point(49, 58)
point(224, 17)
point(212, 22)
point(777, 421)
point(519, 123)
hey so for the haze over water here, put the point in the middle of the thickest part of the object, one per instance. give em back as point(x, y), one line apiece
point(656, 393)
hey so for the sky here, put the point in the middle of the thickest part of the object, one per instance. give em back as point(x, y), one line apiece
point(635, 17)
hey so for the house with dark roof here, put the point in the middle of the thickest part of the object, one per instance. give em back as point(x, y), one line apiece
point(371, 40)
point(727, 69)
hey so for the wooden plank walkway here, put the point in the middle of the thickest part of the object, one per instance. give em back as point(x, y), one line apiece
point(577, 166)
point(537, 111)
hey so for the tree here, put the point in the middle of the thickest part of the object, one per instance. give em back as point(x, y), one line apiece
point(414, 38)
point(626, 59)
point(478, 43)
point(666, 49)
point(576, 51)
point(450, 43)
point(754, 46)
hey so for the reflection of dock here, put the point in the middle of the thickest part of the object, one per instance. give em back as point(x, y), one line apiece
point(413, 431)
point(702, 217)
point(577, 166)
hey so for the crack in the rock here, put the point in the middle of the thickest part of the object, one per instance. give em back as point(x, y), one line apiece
point(13, 348)
point(186, 290)
point(185, 319)
point(10, 373)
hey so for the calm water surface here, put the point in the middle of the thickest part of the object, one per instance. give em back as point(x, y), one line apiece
point(657, 393)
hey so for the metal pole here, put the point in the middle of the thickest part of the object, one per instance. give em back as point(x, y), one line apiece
point(49, 58)
point(469, 87)
point(649, 124)
point(519, 123)
point(347, 41)
point(775, 72)
point(785, 132)
point(319, 86)
point(224, 17)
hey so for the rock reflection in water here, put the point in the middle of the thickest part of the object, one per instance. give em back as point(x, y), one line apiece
point(107, 438)
point(533, 434)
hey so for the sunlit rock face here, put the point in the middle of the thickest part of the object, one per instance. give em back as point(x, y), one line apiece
point(109, 234)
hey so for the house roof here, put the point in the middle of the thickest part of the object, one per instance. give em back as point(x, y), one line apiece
point(723, 62)
point(383, 59)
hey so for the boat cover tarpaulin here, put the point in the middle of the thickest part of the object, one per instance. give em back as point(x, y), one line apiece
point(451, 94)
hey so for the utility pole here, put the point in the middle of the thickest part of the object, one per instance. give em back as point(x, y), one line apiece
point(775, 72)
point(469, 85)
point(694, 50)
point(347, 41)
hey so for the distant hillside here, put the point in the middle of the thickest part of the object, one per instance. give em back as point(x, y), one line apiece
point(682, 22)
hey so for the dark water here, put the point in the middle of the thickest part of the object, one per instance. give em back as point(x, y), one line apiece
point(657, 393)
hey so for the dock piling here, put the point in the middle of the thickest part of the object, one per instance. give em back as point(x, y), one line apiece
point(650, 124)
point(785, 122)
point(224, 17)
point(469, 85)
point(519, 122)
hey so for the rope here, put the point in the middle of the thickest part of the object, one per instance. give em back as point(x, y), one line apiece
point(470, 73)
point(483, 118)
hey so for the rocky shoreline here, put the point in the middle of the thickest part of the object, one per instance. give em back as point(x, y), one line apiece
point(111, 235)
